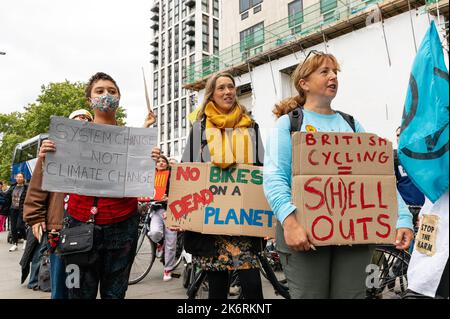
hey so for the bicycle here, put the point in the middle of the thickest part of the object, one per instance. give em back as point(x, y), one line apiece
point(146, 249)
point(198, 287)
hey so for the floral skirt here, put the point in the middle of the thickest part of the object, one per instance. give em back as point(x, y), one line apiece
point(234, 253)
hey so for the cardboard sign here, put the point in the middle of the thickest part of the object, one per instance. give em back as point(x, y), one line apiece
point(99, 160)
point(426, 237)
point(204, 198)
point(344, 188)
point(161, 180)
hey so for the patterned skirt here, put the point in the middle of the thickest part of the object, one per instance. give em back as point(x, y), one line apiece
point(234, 253)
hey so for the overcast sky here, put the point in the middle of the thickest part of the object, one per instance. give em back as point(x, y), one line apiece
point(54, 40)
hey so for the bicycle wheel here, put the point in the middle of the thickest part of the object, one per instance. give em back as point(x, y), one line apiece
point(390, 277)
point(144, 258)
point(178, 254)
point(279, 284)
point(198, 288)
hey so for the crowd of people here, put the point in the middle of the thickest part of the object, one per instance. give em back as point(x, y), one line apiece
point(322, 272)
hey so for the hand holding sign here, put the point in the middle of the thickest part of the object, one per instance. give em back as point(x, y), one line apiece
point(403, 238)
point(46, 146)
point(295, 235)
point(150, 119)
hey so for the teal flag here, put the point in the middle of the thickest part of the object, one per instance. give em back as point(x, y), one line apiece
point(424, 137)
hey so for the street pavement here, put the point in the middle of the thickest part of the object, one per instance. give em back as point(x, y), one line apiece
point(151, 287)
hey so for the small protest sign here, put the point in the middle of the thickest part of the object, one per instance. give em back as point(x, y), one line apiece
point(207, 199)
point(344, 188)
point(426, 237)
point(99, 160)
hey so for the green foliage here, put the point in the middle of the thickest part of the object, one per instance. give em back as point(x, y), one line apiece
point(58, 99)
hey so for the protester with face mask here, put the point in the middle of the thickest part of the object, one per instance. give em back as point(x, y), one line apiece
point(44, 212)
point(116, 219)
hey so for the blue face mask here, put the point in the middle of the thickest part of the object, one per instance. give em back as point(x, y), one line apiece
point(105, 103)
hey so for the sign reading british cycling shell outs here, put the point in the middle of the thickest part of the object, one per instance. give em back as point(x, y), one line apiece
point(207, 199)
point(99, 160)
point(344, 188)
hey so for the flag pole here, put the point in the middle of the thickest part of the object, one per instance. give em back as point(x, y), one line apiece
point(147, 100)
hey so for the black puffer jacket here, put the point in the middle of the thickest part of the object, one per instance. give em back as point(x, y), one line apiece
point(197, 150)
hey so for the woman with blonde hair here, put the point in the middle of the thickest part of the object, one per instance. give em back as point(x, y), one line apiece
point(328, 271)
point(224, 134)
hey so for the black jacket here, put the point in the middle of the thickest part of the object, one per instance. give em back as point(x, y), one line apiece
point(197, 150)
point(8, 199)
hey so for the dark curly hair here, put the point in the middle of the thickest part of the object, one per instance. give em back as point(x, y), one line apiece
point(97, 77)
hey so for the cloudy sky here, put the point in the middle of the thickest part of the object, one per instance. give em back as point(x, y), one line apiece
point(54, 40)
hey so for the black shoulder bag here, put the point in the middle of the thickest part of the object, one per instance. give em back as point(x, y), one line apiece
point(76, 243)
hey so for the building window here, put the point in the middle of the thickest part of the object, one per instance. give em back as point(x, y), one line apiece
point(177, 10)
point(244, 15)
point(244, 5)
point(169, 14)
point(163, 15)
point(155, 88)
point(163, 49)
point(163, 86)
point(183, 10)
point(215, 36)
point(183, 117)
point(169, 149)
point(295, 12)
point(169, 121)
point(205, 31)
point(327, 5)
point(183, 145)
point(177, 43)
point(176, 76)
point(176, 122)
point(205, 6)
point(163, 124)
point(169, 48)
point(252, 37)
point(216, 8)
point(169, 83)
point(175, 148)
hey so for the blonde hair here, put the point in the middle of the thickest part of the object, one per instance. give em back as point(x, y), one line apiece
point(209, 92)
point(302, 71)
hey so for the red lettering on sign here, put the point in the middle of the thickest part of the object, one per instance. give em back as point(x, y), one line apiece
point(310, 140)
point(359, 140)
point(350, 195)
point(316, 221)
point(327, 157)
point(364, 221)
point(347, 138)
point(325, 139)
point(310, 160)
point(363, 201)
point(372, 141)
point(388, 227)
point(188, 173)
point(313, 190)
point(347, 158)
point(342, 195)
point(380, 196)
point(335, 158)
point(351, 231)
point(189, 203)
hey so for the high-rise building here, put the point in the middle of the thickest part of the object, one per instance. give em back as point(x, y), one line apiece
point(184, 31)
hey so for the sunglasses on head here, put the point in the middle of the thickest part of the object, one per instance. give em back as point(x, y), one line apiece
point(310, 53)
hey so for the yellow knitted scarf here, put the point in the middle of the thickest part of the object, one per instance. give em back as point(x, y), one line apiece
point(227, 135)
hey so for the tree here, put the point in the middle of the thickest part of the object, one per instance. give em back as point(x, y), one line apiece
point(58, 99)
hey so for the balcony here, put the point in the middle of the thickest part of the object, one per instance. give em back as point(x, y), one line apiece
point(155, 17)
point(154, 61)
point(190, 21)
point(190, 31)
point(155, 8)
point(154, 43)
point(190, 3)
point(155, 26)
point(154, 52)
point(190, 41)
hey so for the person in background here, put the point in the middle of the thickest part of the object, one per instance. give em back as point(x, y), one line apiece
point(44, 212)
point(3, 216)
point(14, 200)
point(158, 230)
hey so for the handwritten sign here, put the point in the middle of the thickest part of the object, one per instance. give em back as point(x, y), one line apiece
point(206, 199)
point(99, 160)
point(344, 188)
point(426, 237)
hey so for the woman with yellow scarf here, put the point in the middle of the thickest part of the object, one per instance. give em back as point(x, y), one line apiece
point(225, 134)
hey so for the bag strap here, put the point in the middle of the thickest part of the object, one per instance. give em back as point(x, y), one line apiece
point(296, 119)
